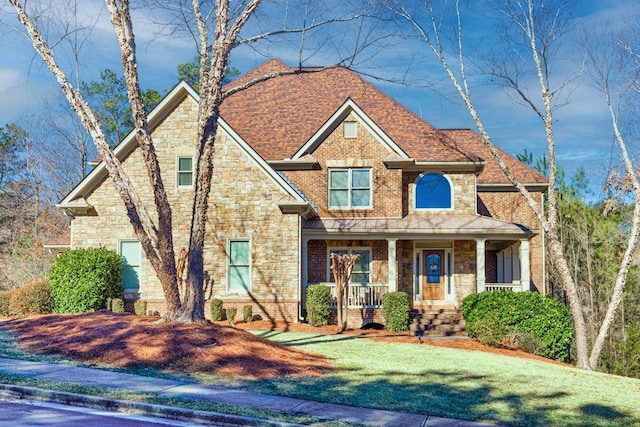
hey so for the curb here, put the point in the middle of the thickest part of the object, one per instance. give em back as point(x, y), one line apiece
point(140, 408)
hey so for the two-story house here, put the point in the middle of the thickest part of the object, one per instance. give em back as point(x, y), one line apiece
point(317, 162)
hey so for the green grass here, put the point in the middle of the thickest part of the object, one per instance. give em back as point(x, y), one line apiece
point(414, 378)
point(457, 383)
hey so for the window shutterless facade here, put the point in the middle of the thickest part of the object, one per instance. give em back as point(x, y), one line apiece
point(361, 273)
point(131, 259)
point(239, 265)
point(350, 188)
point(184, 172)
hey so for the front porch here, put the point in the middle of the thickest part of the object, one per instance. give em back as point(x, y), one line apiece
point(406, 269)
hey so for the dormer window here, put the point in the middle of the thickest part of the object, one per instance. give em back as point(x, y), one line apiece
point(350, 129)
point(433, 191)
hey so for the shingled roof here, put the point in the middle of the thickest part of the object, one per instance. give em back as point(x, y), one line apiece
point(278, 116)
point(469, 141)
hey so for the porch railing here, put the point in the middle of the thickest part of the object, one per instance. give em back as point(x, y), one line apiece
point(515, 287)
point(361, 296)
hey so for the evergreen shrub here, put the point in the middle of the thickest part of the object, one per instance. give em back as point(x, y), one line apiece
point(140, 307)
point(83, 279)
point(215, 308)
point(231, 315)
point(395, 310)
point(547, 321)
point(117, 305)
point(247, 313)
point(318, 305)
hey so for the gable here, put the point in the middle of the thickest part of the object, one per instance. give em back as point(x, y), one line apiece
point(350, 112)
point(280, 115)
point(169, 125)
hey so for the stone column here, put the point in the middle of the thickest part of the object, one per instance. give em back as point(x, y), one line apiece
point(391, 257)
point(525, 270)
point(480, 277)
point(304, 265)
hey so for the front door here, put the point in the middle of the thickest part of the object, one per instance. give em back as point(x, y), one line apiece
point(433, 275)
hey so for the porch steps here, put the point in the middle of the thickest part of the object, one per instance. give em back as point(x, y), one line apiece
point(437, 322)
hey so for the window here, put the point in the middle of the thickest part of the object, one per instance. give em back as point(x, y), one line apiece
point(350, 188)
point(361, 272)
point(433, 191)
point(130, 252)
point(239, 265)
point(350, 129)
point(184, 174)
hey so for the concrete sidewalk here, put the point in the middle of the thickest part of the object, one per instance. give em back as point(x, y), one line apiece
point(228, 396)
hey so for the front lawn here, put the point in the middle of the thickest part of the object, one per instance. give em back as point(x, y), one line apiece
point(458, 383)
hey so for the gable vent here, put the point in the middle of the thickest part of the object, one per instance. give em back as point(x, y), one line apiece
point(350, 130)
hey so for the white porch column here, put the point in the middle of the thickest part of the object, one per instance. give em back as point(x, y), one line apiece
point(525, 270)
point(480, 278)
point(391, 257)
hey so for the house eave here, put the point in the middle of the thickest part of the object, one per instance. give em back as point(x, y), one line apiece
point(304, 209)
point(79, 207)
point(501, 187)
point(413, 165)
point(293, 164)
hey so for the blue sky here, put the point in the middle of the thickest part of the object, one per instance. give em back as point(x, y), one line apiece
point(583, 127)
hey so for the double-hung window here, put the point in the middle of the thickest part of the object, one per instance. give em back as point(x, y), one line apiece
point(239, 266)
point(350, 188)
point(184, 172)
point(131, 258)
point(361, 273)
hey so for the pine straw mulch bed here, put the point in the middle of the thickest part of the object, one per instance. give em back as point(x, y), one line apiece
point(126, 340)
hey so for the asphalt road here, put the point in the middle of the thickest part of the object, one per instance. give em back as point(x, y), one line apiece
point(30, 413)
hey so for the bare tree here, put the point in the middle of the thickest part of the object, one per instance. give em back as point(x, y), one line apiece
point(342, 267)
point(217, 31)
point(534, 31)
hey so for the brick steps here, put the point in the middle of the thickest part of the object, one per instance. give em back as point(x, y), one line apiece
point(443, 322)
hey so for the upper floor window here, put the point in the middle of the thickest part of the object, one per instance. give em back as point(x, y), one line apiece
point(350, 129)
point(350, 188)
point(433, 191)
point(184, 172)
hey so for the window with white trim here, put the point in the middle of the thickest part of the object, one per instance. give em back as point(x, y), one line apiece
point(361, 272)
point(433, 191)
point(131, 254)
point(184, 171)
point(350, 129)
point(239, 266)
point(350, 188)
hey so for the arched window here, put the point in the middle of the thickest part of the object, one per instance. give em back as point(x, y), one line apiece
point(433, 191)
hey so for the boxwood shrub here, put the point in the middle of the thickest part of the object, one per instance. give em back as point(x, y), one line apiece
point(395, 309)
point(318, 305)
point(83, 279)
point(215, 309)
point(543, 318)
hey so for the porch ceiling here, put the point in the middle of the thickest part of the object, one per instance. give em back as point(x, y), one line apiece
point(419, 225)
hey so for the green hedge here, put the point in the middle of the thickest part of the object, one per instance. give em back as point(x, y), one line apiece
point(542, 319)
point(140, 307)
point(395, 309)
point(83, 279)
point(318, 305)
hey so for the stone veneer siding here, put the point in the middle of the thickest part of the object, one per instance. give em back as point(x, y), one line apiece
point(243, 205)
point(463, 187)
